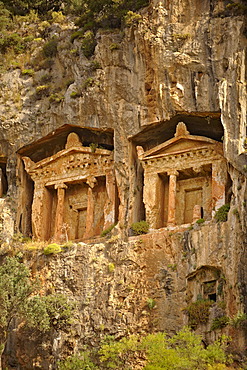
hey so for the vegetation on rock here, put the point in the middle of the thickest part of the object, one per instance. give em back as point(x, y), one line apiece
point(20, 300)
point(53, 249)
point(156, 351)
point(108, 230)
point(198, 312)
point(140, 227)
point(81, 361)
point(222, 213)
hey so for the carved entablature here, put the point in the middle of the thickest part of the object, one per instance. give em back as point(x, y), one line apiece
point(198, 182)
point(74, 192)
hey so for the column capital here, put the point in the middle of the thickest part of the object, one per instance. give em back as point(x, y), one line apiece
point(172, 172)
point(91, 181)
point(60, 186)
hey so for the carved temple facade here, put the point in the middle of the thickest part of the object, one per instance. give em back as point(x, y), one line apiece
point(74, 192)
point(185, 179)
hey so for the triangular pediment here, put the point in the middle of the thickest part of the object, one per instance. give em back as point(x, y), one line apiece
point(73, 147)
point(181, 142)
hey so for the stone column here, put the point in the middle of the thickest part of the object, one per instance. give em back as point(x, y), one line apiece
point(89, 232)
point(110, 206)
point(219, 180)
point(171, 221)
point(41, 212)
point(197, 213)
point(58, 234)
point(150, 198)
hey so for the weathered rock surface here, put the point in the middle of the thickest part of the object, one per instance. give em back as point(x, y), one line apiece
point(185, 61)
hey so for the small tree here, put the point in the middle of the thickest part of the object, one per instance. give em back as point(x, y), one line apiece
point(19, 298)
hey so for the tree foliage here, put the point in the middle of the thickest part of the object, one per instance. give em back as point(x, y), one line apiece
point(22, 7)
point(19, 299)
point(104, 13)
point(81, 361)
point(4, 16)
point(183, 351)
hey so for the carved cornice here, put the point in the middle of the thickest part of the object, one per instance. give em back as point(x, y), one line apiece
point(73, 167)
point(193, 157)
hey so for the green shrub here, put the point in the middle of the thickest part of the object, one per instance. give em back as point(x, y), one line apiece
point(222, 213)
point(238, 320)
point(75, 94)
point(220, 322)
point(173, 267)
point(200, 221)
point(12, 41)
point(114, 46)
point(198, 312)
point(93, 147)
point(151, 303)
point(50, 48)
point(109, 229)
point(42, 90)
point(27, 72)
point(157, 351)
point(132, 18)
point(77, 35)
point(88, 82)
point(95, 65)
point(88, 44)
point(141, 227)
point(57, 17)
point(112, 13)
point(113, 353)
point(4, 17)
point(111, 267)
point(80, 361)
point(56, 97)
point(52, 249)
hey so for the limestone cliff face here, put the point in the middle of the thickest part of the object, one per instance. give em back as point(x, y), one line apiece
point(184, 61)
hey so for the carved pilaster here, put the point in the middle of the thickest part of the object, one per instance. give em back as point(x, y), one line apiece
point(172, 197)
point(41, 212)
point(110, 206)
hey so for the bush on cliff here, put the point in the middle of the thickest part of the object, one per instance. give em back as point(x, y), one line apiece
point(140, 227)
point(222, 213)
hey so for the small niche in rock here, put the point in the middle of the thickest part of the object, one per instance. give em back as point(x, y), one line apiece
point(3, 178)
